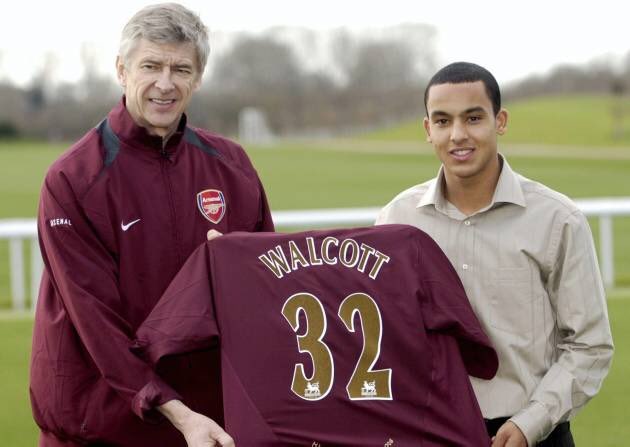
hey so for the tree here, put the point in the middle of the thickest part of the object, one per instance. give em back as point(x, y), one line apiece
point(387, 75)
point(259, 72)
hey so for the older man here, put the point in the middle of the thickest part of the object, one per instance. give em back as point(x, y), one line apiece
point(119, 213)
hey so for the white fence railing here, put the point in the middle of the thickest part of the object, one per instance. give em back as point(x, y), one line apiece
point(19, 230)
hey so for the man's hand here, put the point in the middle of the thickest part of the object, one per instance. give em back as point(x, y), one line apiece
point(201, 431)
point(509, 435)
point(213, 234)
point(198, 430)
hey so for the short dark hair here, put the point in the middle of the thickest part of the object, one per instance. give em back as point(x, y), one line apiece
point(461, 72)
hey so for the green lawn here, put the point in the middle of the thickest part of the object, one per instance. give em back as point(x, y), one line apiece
point(16, 423)
point(552, 120)
point(346, 173)
point(567, 120)
point(22, 169)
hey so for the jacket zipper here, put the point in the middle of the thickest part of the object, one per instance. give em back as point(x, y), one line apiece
point(164, 160)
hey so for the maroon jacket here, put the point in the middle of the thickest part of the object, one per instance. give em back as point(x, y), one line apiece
point(118, 217)
point(354, 337)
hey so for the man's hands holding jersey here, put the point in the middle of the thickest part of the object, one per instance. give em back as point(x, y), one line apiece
point(213, 234)
point(509, 435)
point(198, 430)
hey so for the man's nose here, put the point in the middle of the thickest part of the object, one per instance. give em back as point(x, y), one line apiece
point(458, 132)
point(164, 81)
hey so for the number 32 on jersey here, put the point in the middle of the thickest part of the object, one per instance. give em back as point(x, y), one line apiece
point(365, 383)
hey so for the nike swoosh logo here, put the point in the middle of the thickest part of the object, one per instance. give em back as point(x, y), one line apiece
point(125, 227)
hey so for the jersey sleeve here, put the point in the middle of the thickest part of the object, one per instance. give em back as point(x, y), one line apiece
point(446, 309)
point(85, 276)
point(184, 319)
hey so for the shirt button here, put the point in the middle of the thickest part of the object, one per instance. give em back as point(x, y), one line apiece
point(465, 266)
point(467, 223)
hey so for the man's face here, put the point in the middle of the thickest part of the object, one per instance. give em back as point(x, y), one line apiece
point(159, 80)
point(463, 129)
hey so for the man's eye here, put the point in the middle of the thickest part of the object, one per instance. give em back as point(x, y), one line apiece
point(148, 66)
point(474, 119)
point(441, 121)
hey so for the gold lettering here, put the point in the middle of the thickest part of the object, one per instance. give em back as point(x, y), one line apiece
point(366, 382)
point(326, 247)
point(350, 254)
point(276, 262)
point(343, 253)
point(376, 268)
point(366, 251)
point(296, 256)
point(319, 384)
point(312, 254)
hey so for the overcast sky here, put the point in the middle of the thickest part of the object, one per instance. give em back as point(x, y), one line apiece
point(511, 38)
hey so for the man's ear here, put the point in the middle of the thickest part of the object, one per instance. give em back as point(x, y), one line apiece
point(427, 128)
point(501, 121)
point(121, 73)
point(197, 84)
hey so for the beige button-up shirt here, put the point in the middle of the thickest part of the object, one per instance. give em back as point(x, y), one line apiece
point(528, 264)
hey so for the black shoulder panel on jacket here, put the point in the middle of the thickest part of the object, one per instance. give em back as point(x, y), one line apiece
point(111, 143)
point(191, 137)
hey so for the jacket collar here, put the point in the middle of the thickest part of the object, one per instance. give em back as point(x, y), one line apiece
point(137, 136)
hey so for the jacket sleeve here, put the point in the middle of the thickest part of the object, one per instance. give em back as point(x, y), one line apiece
point(266, 220)
point(446, 309)
point(183, 320)
point(84, 275)
point(584, 339)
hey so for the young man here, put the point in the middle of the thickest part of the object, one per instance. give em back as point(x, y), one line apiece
point(119, 214)
point(526, 258)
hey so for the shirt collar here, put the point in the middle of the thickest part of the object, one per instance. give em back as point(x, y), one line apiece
point(508, 189)
point(435, 192)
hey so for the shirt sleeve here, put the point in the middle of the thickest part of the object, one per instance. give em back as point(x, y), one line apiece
point(85, 276)
point(584, 338)
point(445, 308)
point(184, 318)
point(383, 217)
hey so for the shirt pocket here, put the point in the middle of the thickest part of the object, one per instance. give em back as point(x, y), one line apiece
point(512, 300)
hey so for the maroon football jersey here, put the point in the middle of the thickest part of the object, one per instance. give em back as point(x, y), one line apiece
point(354, 337)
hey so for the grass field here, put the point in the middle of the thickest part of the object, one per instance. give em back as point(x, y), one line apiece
point(348, 173)
point(553, 120)
point(17, 428)
point(369, 172)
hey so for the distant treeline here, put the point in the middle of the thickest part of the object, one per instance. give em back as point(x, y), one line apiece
point(603, 77)
point(368, 81)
